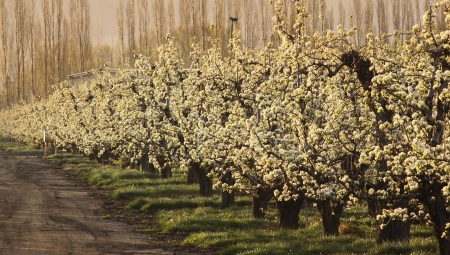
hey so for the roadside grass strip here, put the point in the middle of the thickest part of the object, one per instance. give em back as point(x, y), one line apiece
point(208, 219)
point(266, 238)
point(11, 146)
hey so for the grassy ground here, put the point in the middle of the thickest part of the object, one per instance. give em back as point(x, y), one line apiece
point(11, 146)
point(177, 208)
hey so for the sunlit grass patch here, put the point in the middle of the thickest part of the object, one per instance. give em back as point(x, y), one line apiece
point(114, 176)
point(160, 203)
point(132, 191)
point(423, 240)
point(70, 159)
point(268, 238)
point(12, 146)
point(207, 219)
point(308, 241)
point(140, 229)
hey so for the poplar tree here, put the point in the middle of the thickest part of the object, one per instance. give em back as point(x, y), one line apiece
point(131, 26)
point(120, 26)
point(5, 50)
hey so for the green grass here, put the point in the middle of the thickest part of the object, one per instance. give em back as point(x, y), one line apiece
point(177, 208)
point(268, 239)
point(207, 219)
point(167, 203)
point(12, 146)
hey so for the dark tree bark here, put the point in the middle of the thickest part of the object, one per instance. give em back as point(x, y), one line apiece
point(331, 217)
point(135, 165)
point(204, 181)
point(191, 177)
point(145, 164)
point(105, 158)
point(125, 164)
point(166, 171)
point(288, 212)
point(260, 201)
point(74, 149)
point(395, 230)
point(431, 196)
point(227, 197)
point(152, 169)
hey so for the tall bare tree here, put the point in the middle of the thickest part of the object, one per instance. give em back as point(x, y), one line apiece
point(221, 21)
point(33, 45)
point(368, 17)
point(5, 47)
point(396, 15)
point(120, 26)
point(265, 24)
point(22, 8)
point(131, 26)
point(382, 24)
point(184, 32)
point(80, 21)
point(58, 40)
point(144, 26)
point(203, 22)
point(314, 10)
point(158, 8)
point(171, 16)
point(342, 14)
point(358, 17)
point(48, 44)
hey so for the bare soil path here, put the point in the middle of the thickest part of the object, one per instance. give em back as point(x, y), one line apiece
point(43, 211)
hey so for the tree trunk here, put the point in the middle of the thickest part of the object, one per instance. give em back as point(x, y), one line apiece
point(94, 155)
point(227, 196)
point(106, 158)
point(137, 165)
point(124, 163)
point(98, 159)
point(260, 201)
point(288, 212)
point(331, 217)
point(436, 205)
point(444, 245)
point(372, 208)
point(152, 169)
point(74, 149)
point(145, 164)
point(166, 172)
point(191, 177)
point(395, 230)
point(204, 181)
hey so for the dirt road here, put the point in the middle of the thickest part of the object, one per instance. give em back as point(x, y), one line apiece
point(43, 212)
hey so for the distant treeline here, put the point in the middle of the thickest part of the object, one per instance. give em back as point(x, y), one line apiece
point(41, 43)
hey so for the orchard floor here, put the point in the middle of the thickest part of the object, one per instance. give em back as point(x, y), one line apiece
point(44, 211)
